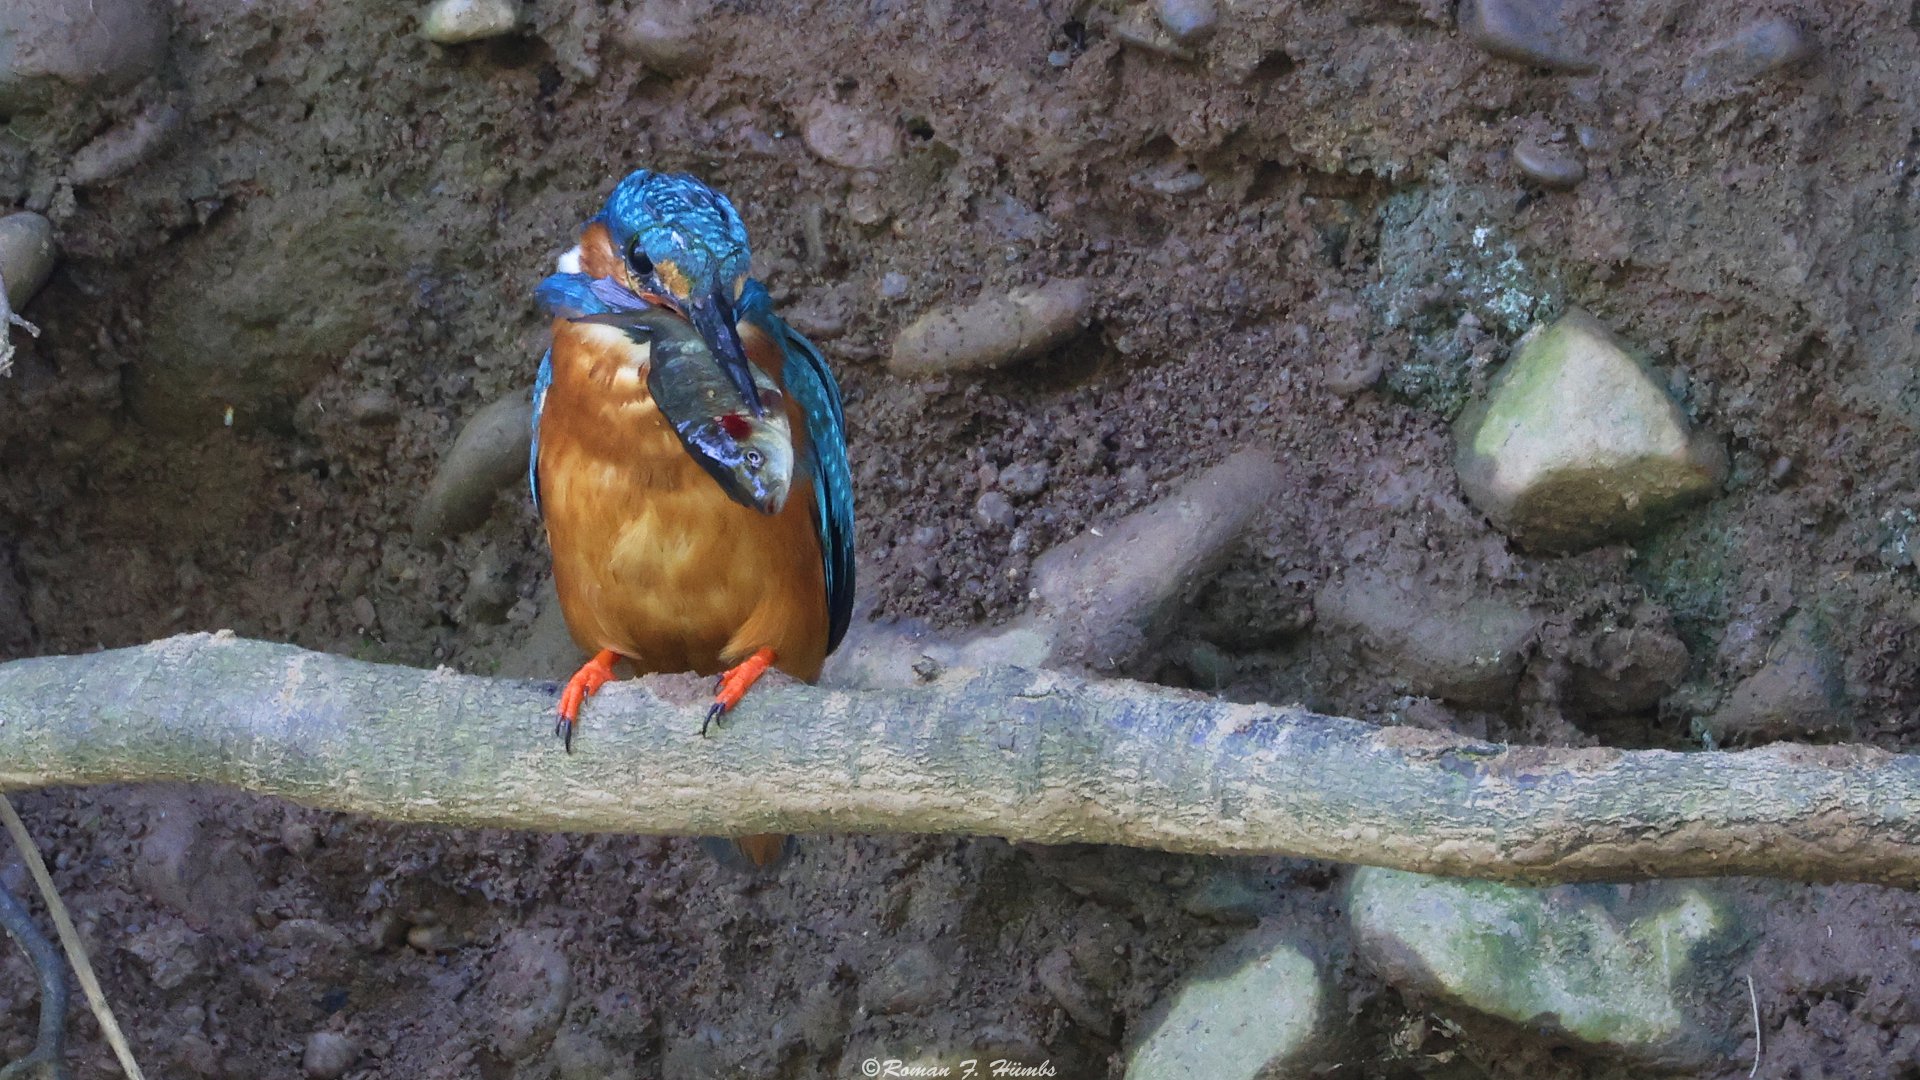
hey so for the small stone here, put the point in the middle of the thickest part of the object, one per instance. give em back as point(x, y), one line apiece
point(1548, 165)
point(994, 330)
point(26, 256)
point(1188, 22)
point(53, 49)
point(329, 1054)
point(529, 986)
point(432, 938)
point(1529, 31)
point(1260, 1008)
point(1025, 479)
point(993, 510)
point(911, 981)
point(578, 1055)
point(373, 407)
point(1086, 1008)
point(864, 207)
point(490, 453)
point(365, 619)
point(1578, 443)
point(1796, 694)
point(1433, 643)
point(893, 285)
point(1592, 964)
point(665, 35)
point(1756, 49)
point(299, 838)
point(849, 137)
point(455, 22)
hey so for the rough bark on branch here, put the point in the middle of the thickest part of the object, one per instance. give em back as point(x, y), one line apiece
point(1027, 755)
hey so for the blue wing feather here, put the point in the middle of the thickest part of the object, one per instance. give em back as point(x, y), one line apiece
point(540, 383)
point(811, 383)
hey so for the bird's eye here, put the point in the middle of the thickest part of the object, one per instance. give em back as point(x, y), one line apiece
point(755, 459)
point(637, 258)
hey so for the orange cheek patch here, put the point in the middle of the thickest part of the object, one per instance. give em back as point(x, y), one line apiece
point(670, 276)
point(597, 257)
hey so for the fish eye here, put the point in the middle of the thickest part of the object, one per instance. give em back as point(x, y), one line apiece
point(755, 459)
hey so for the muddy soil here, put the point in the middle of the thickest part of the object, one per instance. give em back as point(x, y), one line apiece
point(1307, 232)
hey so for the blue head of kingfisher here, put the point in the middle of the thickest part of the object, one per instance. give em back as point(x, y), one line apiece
point(685, 244)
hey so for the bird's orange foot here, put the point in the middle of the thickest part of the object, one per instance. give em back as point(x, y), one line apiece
point(734, 683)
point(592, 675)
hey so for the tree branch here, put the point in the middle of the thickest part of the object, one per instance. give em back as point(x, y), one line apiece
point(1026, 755)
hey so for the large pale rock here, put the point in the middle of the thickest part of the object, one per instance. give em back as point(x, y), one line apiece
point(1259, 1010)
point(1595, 965)
point(1578, 442)
point(51, 49)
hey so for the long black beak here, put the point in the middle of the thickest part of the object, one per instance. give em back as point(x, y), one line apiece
point(712, 315)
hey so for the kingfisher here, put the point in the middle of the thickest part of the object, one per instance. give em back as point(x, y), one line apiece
point(689, 458)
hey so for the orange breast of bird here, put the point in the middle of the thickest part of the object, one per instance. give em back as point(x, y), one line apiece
point(650, 557)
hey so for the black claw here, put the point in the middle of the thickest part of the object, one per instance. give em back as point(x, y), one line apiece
point(564, 728)
point(717, 710)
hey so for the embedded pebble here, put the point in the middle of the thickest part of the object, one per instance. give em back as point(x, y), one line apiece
point(994, 330)
point(664, 35)
point(329, 1054)
point(529, 986)
point(894, 285)
point(1756, 49)
point(432, 938)
point(26, 255)
point(1548, 164)
point(1578, 442)
point(1528, 31)
point(913, 980)
point(1087, 1008)
point(454, 22)
point(490, 453)
point(1189, 22)
point(849, 137)
point(117, 151)
point(994, 511)
point(52, 49)
point(1025, 479)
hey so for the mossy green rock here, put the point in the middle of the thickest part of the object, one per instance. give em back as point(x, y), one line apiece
point(1614, 969)
point(1259, 1010)
point(1578, 442)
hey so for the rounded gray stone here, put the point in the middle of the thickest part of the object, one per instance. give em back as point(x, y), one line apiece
point(26, 256)
point(1259, 1010)
point(1548, 164)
